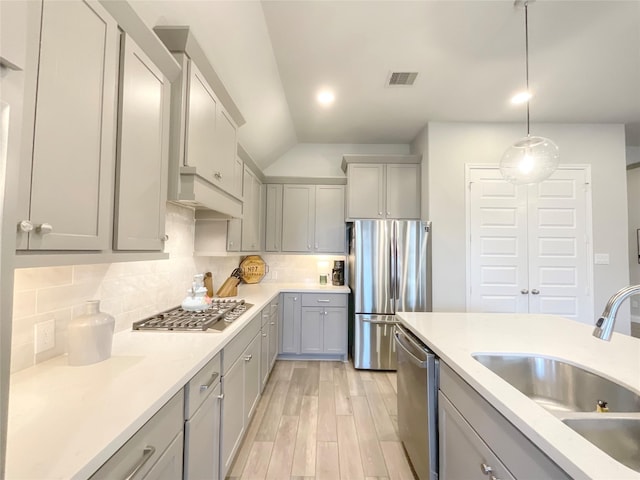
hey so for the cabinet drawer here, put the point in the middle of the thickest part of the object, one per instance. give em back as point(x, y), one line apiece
point(324, 300)
point(201, 385)
point(523, 458)
point(147, 445)
point(236, 346)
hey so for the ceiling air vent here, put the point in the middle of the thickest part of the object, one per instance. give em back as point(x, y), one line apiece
point(401, 79)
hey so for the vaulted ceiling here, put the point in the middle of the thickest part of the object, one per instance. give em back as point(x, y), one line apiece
point(273, 56)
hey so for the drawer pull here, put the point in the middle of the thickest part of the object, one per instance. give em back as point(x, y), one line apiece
point(486, 469)
point(147, 453)
point(323, 301)
point(264, 334)
point(205, 387)
point(221, 396)
point(248, 358)
point(272, 323)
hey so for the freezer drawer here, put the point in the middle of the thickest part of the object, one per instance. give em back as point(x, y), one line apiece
point(374, 347)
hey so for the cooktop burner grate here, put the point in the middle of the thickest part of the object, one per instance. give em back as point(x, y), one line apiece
point(217, 316)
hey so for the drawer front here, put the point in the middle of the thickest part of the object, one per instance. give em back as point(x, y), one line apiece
point(147, 445)
point(201, 385)
point(234, 349)
point(324, 300)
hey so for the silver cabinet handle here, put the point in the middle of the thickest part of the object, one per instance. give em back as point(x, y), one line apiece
point(388, 213)
point(295, 299)
point(147, 453)
point(322, 300)
point(205, 387)
point(535, 291)
point(486, 469)
point(218, 175)
point(164, 238)
point(272, 323)
point(44, 228)
point(524, 291)
point(308, 246)
point(264, 334)
point(493, 477)
point(25, 226)
point(248, 358)
point(317, 246)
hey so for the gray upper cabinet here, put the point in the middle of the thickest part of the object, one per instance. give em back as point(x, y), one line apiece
point(380, 191)
point(143, 135)
point(252, 193)
point(313, 218)
point(70, 178)
point(273, 223)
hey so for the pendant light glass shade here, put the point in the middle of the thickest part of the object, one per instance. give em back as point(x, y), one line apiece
point(529, 160)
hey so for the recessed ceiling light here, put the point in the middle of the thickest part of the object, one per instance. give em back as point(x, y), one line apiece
point(326, 97)
point(521, 97)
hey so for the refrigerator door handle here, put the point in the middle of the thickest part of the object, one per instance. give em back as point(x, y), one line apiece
point(393, 265)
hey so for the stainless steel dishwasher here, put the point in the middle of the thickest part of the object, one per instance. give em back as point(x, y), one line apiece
point(418, 403)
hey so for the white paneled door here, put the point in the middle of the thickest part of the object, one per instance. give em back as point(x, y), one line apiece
point(529, 245)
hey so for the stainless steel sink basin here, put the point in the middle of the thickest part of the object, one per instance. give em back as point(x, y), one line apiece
point(617, 437)
point(559, 386)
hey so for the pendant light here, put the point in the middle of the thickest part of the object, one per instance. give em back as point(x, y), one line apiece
point(530, 159)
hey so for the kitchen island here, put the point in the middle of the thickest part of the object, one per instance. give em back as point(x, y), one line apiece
point(454, 337)
point(65, 422)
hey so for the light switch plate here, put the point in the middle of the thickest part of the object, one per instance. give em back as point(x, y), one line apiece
point(601, 259)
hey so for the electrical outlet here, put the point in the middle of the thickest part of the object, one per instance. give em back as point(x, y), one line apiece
point(45, 333)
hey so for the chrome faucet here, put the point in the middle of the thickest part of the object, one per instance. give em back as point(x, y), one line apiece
point(604, 325)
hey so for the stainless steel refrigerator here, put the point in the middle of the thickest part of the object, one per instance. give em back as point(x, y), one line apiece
point(389, 272)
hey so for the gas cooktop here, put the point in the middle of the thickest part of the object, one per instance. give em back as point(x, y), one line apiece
point(219, 314)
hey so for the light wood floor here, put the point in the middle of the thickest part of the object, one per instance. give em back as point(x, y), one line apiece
point(324, 420)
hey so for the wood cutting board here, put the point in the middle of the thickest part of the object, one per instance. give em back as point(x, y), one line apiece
point(253, 269)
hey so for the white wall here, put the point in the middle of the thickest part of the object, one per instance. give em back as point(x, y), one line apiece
point(324, 159)
point(633, 155)
point(452, 145)
point(420, 146)
point(633, 192)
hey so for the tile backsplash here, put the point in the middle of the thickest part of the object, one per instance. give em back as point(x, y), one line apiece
point(130, 290)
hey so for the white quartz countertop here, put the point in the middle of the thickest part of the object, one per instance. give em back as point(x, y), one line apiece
point(65, 422)
point(455, 336)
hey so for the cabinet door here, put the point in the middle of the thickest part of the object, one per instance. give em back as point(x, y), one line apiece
point(273, 335)
point(329, 219)
point(252, 377)
point(248, 230)
point(141, 179)
point(297, 218)
point(290, 325)
point(169, 465)
point(403, 191)
point(463, 454)
point(365, 191)
point(225, 152)
point(232, 413)
point(311, 330)
point(201, 125)
point(202, 439)
point(234, 234)
point(264, 355)
point(335, 330)
point(238, 169)
point(74, 140)
point(273, 224)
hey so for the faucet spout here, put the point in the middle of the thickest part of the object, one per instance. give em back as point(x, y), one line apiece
point(604, 325)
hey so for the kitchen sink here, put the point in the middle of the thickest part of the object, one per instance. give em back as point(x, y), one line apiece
point(618, 437)
point(559, 386)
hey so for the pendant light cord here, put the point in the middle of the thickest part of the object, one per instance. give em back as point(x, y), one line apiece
point(526, 54)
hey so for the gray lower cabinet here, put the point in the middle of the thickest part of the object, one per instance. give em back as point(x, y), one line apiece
point(252, 377)
point(463, 454)
point(202, 423)
point(155, 451)
point(143, 149)
point(290, 323)
point(232, 414)
point(274, 332)
point(314, 324)
point(269, 340)
point(66, 182)
point(475, 437)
